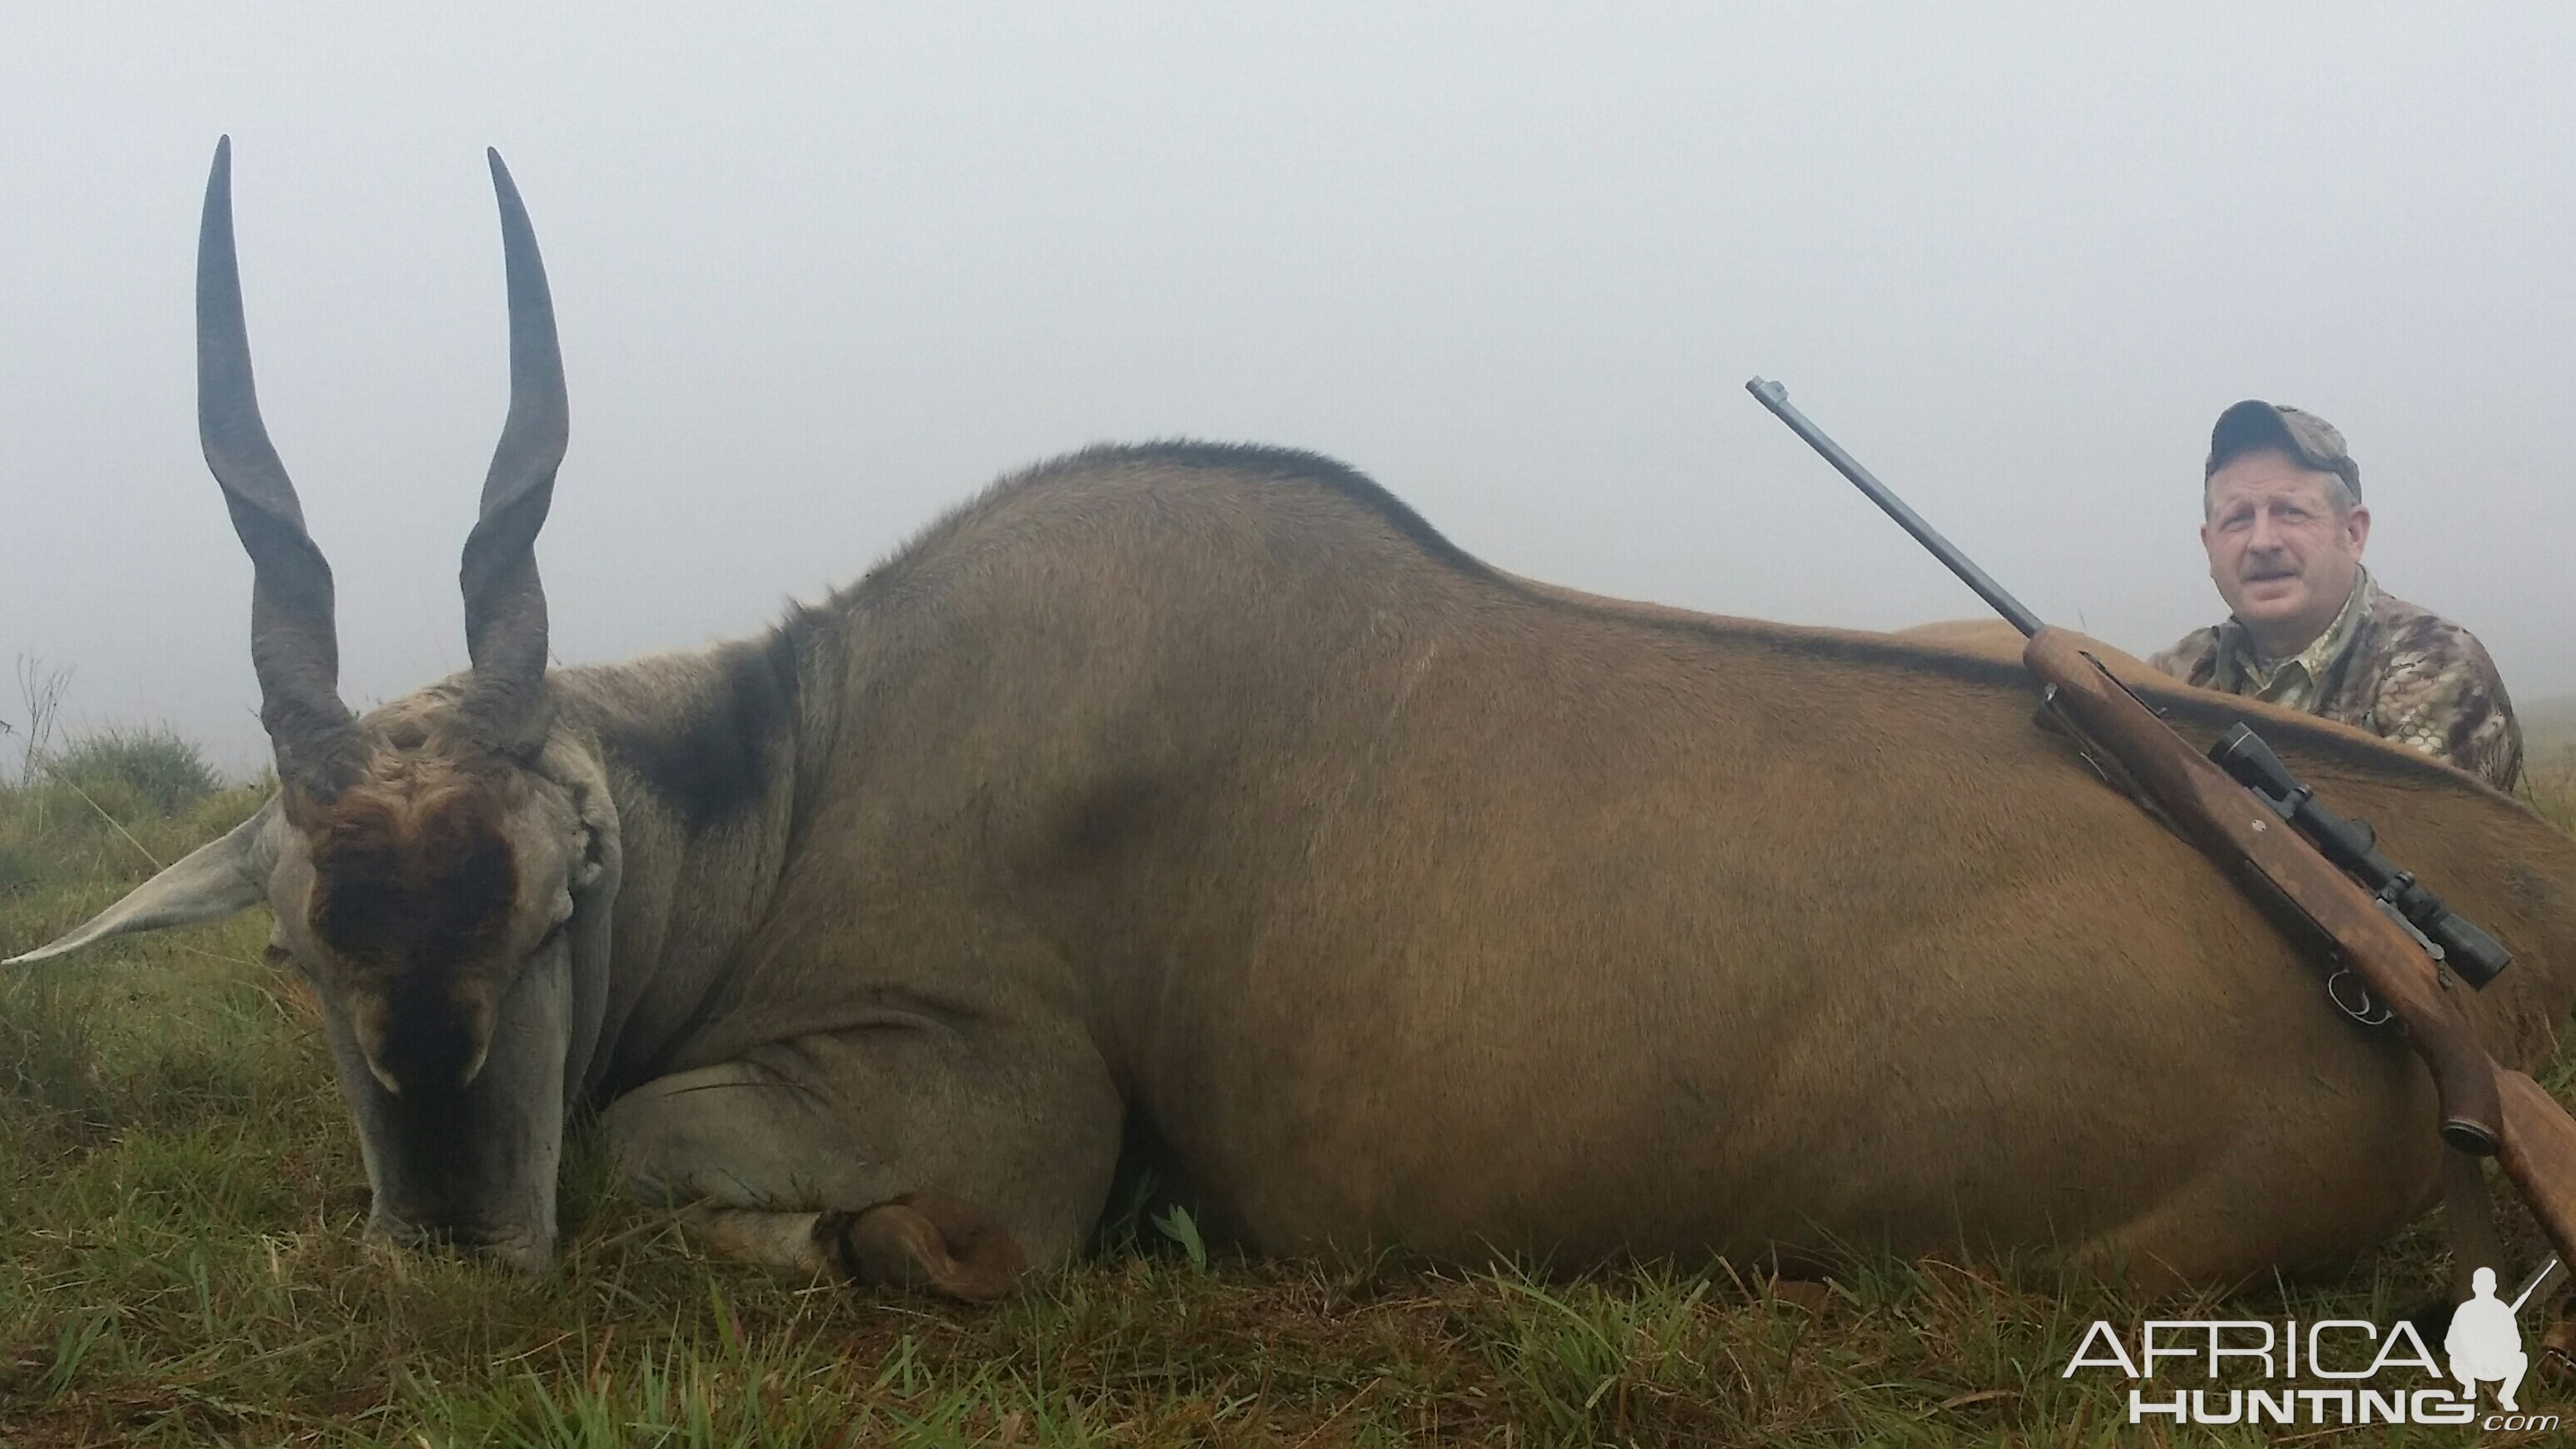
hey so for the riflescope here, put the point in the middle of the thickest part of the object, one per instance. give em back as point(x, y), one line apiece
point(2351, 844)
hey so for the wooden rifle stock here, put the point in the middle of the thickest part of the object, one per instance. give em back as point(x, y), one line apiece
point(2485, 1108)
point(2230, 824)
point(2540, 1157)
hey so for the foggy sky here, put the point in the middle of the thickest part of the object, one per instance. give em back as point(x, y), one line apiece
point(820, 277)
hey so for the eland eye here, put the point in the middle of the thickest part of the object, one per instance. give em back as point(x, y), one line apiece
point(593, 861)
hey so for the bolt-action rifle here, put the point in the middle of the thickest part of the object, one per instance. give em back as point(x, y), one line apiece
point(2399, 952)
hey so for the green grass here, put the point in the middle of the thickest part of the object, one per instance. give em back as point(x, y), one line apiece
point(147, 771)
point(182, 1196)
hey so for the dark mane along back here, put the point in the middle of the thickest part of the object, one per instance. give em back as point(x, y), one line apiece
point(712, 762)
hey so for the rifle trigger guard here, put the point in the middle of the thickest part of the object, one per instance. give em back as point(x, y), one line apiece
point(2361, 1010)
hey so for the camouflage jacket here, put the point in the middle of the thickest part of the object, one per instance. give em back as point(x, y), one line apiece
point(2400, 672)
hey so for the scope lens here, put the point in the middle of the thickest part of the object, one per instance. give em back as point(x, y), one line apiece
point(2478, 957)
point(2250, 762)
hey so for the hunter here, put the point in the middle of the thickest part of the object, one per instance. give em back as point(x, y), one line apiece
point(2308, 628)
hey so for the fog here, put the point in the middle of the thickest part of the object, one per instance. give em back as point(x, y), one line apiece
point(821, 276)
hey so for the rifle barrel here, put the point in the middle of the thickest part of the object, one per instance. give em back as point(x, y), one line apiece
point(1775, 397)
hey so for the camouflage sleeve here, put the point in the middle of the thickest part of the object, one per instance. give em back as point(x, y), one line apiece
point(2192, 659)
point(2442, 696)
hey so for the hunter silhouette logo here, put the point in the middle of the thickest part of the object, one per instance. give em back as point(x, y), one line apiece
point(2328, 1372)
point(2485, 1343)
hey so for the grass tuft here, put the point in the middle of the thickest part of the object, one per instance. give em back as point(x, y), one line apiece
point(152, 769)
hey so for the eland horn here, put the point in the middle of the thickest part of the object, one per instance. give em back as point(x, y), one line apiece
point(294, 647)
point(505, 605)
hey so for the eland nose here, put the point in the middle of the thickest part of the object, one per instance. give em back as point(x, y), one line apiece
point(517, 1249)
point(427, 1039)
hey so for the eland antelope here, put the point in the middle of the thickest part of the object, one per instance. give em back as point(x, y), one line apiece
point(1202, 807)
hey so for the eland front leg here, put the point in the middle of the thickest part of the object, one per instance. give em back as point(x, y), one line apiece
point(911, 1155)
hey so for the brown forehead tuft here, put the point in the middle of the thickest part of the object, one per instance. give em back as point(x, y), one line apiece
point(411, 871)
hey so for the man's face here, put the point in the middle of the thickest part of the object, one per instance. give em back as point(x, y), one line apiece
point(2282, 558)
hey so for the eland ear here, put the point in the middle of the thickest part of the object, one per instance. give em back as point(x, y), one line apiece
point(224, 875)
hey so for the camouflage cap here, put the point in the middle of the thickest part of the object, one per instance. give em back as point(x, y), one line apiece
point(2254, 425)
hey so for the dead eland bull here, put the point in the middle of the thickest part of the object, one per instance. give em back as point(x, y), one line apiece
point(1207, 802)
